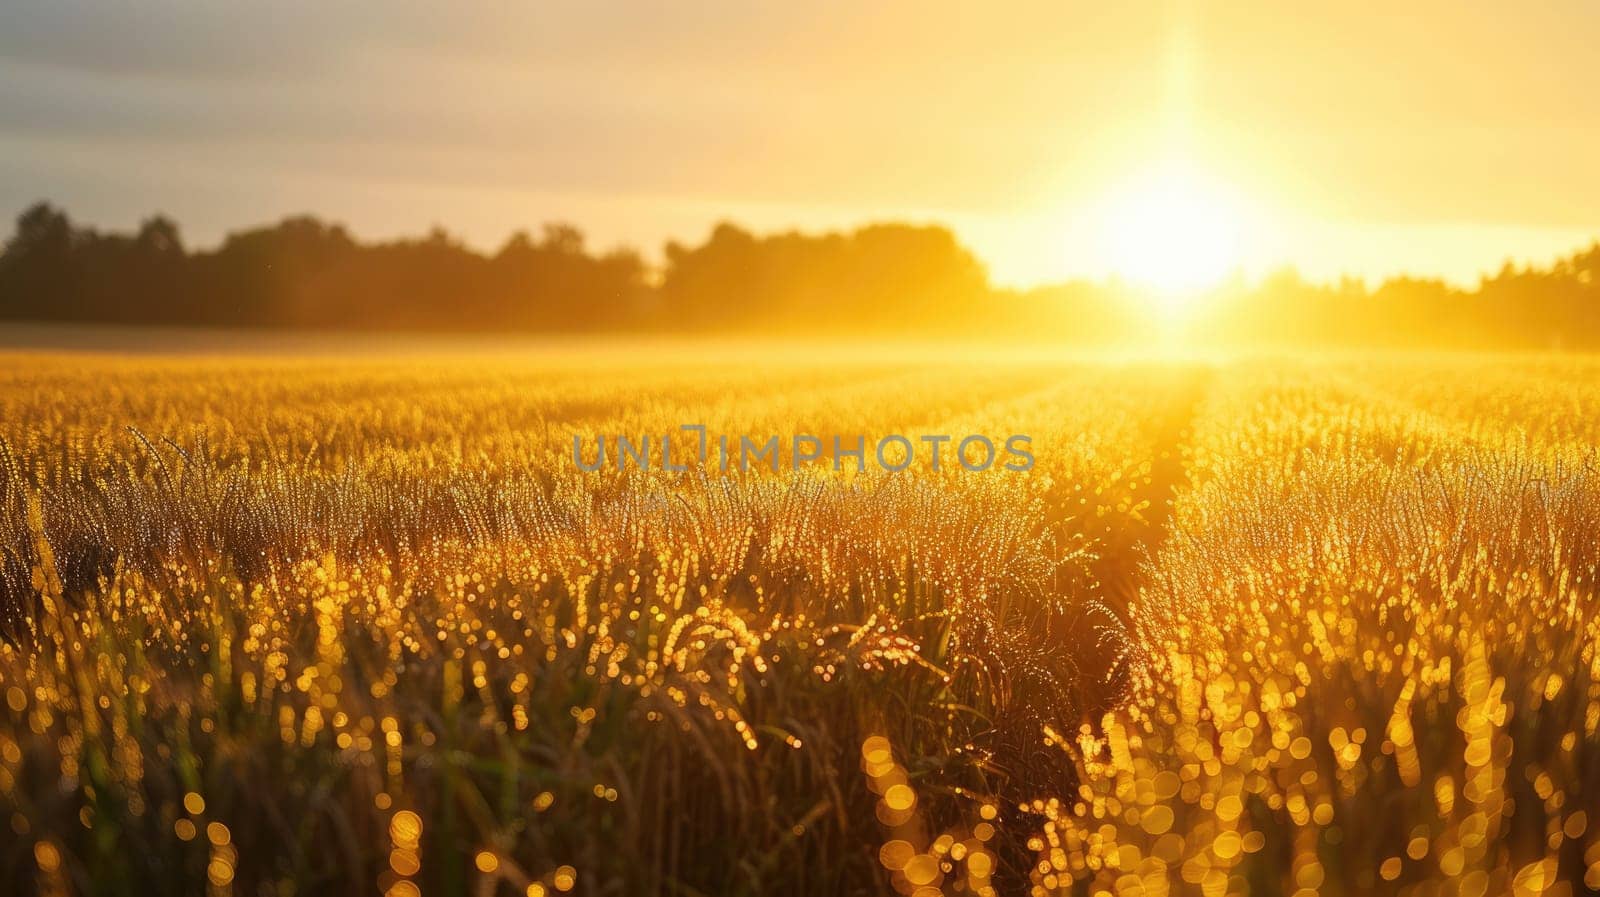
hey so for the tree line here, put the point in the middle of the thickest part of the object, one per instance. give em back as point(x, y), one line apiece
point(877, 280)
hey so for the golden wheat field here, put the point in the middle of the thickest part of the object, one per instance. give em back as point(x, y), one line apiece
point(301, 624)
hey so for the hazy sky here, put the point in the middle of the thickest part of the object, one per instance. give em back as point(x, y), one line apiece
point(1436, 137)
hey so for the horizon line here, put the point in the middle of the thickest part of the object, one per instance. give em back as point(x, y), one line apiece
point(654, 263)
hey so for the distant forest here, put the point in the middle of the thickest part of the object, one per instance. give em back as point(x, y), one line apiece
point(879, 280)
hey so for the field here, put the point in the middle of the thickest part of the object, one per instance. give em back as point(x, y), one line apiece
point(290, 623)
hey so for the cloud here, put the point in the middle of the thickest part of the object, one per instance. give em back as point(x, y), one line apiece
point(167, 40)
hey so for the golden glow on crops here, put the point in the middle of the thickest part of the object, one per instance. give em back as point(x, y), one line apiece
point(1296, 627)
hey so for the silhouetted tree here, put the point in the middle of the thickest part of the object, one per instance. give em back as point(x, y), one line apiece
point(38, 274)
point(881, 279)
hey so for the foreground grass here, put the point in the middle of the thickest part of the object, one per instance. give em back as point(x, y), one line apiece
point(302, 626)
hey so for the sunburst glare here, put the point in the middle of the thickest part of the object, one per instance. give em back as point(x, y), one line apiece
point(1173, 231)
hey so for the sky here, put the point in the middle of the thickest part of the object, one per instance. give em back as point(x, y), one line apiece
point(1355, 138)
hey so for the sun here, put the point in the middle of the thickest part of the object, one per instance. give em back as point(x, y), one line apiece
point(1172, 232)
